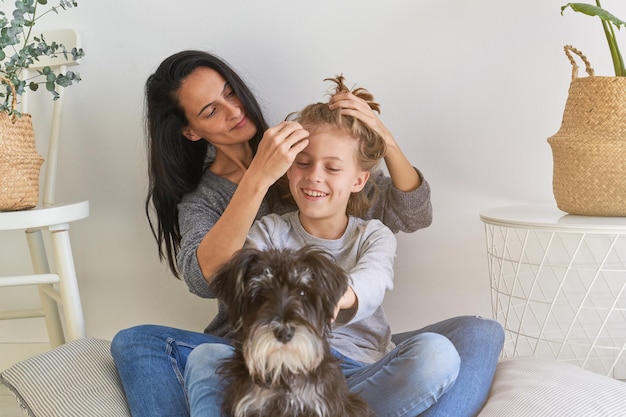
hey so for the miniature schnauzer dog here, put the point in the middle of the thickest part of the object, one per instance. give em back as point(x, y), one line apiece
point(281, 304)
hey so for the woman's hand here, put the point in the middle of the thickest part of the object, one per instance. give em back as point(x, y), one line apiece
point(403, 175)
point(277, 151)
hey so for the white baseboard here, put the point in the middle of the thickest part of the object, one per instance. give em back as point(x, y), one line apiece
point(12, 353)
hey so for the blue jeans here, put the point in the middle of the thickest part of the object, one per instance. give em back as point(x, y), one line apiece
point(151, 362)
point(405, 382)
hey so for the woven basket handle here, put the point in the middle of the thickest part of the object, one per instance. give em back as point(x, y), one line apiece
point(14, 101)
point(588, 68)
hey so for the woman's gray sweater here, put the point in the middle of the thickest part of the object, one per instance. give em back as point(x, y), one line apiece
point(200, 209)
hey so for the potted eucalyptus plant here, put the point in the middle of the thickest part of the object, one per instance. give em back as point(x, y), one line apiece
point(20, 48)
point(589, 150)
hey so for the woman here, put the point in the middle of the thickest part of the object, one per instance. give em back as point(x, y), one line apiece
point(213, 167)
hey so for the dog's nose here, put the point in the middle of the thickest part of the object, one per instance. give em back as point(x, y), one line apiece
point(284, 333)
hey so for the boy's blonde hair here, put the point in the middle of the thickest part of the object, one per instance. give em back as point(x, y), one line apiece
point(371, 148)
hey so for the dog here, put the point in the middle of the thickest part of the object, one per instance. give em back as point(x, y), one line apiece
point(281, 304)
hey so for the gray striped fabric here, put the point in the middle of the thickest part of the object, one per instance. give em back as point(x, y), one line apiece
point(533, 387)
point(77, 379)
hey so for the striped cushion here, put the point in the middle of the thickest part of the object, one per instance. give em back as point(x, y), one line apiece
point(533, 387)
point(77, 379)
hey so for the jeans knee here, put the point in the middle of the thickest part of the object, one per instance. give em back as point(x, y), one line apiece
point(122, 341)
point(488, 327)
point(482, 328)
point(437, 360)
point(444, 358)
point(128, 338)
point(495, 330)
point(208, 356)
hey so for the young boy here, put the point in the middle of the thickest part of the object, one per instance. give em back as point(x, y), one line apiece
point(326, 181)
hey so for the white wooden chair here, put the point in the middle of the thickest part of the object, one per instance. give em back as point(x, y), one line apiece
point(58, 288)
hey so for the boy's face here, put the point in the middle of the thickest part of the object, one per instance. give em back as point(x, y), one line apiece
point(325, 173)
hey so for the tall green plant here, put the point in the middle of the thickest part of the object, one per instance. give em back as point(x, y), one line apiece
point(20, 47)
point(608, 21)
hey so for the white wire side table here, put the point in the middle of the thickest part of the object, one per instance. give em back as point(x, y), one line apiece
point(558, 285)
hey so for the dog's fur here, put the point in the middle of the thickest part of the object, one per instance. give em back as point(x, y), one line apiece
point(281, 304)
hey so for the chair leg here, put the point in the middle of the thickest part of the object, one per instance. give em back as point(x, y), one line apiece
point(50, 308)
point(68, 285)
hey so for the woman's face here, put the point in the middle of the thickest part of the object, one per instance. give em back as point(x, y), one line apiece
point(213, 110)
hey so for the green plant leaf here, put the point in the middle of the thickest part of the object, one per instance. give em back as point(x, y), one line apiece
point(608, 21)
point(591, 10)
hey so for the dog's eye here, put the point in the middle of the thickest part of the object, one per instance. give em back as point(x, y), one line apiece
point(302, 292)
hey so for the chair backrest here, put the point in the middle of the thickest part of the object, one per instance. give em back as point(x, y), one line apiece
point(58, 64)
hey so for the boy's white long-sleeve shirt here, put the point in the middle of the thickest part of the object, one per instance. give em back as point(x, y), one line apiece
point(366, 252)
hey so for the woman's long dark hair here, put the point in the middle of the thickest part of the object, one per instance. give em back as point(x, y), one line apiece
point(176, 164)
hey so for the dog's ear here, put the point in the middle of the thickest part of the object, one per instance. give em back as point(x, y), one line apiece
point(228, 283)
point(330, 279)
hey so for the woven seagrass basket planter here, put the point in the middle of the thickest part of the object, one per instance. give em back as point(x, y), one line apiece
point(20, 163)
point(589, 150)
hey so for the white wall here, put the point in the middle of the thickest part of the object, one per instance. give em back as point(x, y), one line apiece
point(472, 90)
